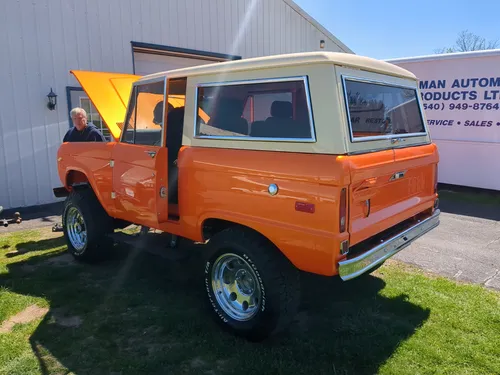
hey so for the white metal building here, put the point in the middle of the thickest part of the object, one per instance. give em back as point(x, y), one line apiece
point(42, 40)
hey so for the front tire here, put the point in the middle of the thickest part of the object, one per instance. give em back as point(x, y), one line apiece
point(86, 226)
point(253, 290)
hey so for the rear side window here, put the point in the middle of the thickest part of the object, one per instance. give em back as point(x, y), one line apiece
point(381, 110)
point(275, 109)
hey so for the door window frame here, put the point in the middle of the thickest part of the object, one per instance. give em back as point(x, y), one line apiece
point(133, 96)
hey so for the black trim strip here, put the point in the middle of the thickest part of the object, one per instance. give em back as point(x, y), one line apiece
point(180, 52)
point(60, 192)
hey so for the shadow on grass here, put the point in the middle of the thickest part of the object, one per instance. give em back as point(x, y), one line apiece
point(42, 245)
point(140, 314)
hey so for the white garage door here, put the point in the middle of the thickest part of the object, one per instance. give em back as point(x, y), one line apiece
point(147, 63)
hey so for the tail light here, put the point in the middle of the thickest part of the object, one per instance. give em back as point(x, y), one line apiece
point(342, 210)
point(436, 179)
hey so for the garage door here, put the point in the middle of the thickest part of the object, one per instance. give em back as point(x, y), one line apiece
point(147, 63)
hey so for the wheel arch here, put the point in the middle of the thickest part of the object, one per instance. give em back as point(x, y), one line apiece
point(212, 225)
point(77, 179)
point(73, 179)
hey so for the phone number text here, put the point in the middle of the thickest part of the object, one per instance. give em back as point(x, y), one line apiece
point(462, 106)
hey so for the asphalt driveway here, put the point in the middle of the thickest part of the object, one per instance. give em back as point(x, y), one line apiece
point(465, 246)
point(34, 217)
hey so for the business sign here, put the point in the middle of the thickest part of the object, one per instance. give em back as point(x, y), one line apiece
point(461, 96)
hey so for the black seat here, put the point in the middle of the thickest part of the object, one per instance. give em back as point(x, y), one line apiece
point(281, 110)
point(228, 116)
point(259, 129)
point(279, 125)
point(175, 125)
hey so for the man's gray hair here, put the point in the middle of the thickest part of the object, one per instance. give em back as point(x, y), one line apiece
point(76, 111)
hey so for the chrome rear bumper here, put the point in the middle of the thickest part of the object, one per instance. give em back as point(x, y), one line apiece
point(351, 268)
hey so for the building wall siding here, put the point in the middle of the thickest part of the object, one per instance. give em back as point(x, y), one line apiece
point(43, 39)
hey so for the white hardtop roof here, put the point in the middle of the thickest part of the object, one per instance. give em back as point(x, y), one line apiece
point(334, 58)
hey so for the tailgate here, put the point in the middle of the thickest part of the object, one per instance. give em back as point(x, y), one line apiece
point(389, 187)
point(393, 162)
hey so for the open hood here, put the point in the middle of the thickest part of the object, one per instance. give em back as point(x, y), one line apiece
point(109, 92)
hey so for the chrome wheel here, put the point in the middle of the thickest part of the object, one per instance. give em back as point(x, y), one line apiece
point(76, 229)
point(236, 287)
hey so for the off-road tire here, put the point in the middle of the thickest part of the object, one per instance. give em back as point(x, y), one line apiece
point(278, 280)
point(98, 225)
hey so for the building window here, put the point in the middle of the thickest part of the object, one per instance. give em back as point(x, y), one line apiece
point(93, 116)
point(265, 109)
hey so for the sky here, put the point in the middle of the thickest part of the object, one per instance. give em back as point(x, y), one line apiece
point(387, 29)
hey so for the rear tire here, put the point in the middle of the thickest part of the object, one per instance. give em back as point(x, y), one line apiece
point(253, 290)
point(86, 226)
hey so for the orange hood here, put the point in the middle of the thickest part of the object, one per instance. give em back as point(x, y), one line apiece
point(110, 93)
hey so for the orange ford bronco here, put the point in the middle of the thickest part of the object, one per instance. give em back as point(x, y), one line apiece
point(318, 162)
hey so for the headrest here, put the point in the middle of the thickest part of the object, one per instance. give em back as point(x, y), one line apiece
point(158, 113)
point(281, 109)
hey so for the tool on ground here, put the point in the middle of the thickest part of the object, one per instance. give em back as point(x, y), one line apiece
point(16, 218)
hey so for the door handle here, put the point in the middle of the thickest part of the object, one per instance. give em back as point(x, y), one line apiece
point(151, 153)
point(396, 140)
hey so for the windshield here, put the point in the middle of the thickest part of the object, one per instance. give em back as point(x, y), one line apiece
point(380, 110)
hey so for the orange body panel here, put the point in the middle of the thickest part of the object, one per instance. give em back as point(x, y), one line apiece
point(232, 185)
point(378, 203)
point(93, 162)
point(137, 178)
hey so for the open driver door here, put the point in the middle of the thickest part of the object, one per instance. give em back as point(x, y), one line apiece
point(139, 158)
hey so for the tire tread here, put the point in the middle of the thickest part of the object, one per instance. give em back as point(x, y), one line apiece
point(97, 221)
point(282, 278)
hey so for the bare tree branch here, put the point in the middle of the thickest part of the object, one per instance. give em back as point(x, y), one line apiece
point(468, 41)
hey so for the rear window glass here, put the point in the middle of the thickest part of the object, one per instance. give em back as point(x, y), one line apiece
point(268, 109)
point(377, 110)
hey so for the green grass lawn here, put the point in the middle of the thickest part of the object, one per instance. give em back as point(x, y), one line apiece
point(137, 314)
point(476, 196)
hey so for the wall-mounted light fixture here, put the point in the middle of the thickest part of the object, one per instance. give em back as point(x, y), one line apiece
point(52, 100)
point(321, 44)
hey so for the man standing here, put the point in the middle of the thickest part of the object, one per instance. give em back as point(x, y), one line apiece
point(82, 132)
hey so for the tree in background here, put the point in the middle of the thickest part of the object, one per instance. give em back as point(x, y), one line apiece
point(468, 41)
